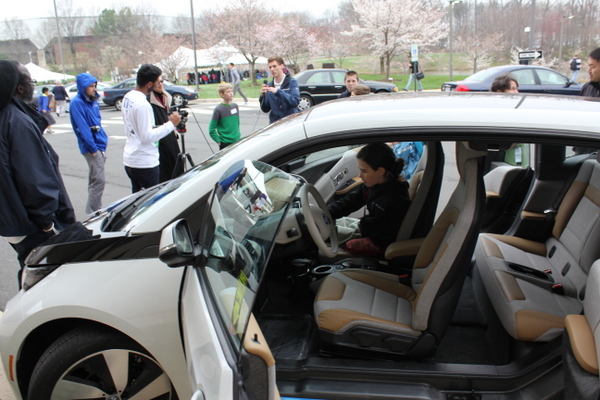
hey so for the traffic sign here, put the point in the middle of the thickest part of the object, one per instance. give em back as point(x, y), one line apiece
point(530, 55)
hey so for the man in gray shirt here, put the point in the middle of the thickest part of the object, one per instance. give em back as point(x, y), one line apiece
point(236, 81)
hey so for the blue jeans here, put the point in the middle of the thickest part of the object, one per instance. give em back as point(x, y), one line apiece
point(413, 78)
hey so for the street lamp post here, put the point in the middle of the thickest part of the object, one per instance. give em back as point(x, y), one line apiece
point(450, 37)
point(560, 44)
point(60, 51)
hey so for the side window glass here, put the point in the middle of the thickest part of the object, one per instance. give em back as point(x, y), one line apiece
point(524, 76)
point(338, 77)
point(551, 78)
point(520, 155)
point(319, 77)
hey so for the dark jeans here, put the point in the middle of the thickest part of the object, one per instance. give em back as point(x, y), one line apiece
point(223, 145)
point(142, 178)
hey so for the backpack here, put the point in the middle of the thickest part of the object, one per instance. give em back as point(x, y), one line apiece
point(573, 64)
point(411, 153)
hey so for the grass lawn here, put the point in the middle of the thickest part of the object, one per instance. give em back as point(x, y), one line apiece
point(429, 82)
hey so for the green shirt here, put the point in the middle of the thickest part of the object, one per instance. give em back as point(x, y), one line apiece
point(225, 123)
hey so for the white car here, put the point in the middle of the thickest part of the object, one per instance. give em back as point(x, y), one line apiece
point(228, 283)
point(71, 89)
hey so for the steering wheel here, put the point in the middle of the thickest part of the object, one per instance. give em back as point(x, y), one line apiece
point(318, 221)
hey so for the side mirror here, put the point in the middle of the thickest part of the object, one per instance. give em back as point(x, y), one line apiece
point(176, 244)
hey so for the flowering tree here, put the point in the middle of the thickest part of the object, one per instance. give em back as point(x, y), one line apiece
point(392, 26)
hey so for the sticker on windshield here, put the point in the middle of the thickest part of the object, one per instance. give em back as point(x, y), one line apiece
point(239, 299)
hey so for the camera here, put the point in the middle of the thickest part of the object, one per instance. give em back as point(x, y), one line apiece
point(183, 114)
point(95, 129)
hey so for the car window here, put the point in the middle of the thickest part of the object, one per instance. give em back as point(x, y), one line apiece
point(551, 78)
point(319, 77)
point(482, 75)
point(524, 76)
point(249, 204)
point(129, 84)
point(338, 76)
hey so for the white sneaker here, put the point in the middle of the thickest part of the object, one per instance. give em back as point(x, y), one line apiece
point(246, 103)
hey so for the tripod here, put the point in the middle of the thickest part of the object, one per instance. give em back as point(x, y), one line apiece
point(183, 156)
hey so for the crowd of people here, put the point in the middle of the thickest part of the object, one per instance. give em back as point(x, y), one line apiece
point(36, 203)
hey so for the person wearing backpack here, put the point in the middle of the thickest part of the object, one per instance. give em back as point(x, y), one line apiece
point(575, 66)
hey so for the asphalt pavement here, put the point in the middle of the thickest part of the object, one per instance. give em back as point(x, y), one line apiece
point(74, 171)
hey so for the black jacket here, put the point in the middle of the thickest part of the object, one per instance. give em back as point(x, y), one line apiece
point(32, 192)
point(591, 89)
point(168, 148)
point(386, 203)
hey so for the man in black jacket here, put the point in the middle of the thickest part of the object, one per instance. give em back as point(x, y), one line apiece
point(592, 88)
point(281, 96)
point(32, 193)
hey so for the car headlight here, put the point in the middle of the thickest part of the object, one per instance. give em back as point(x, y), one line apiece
point(190, 90)
point(395, 89)
point(33, 274)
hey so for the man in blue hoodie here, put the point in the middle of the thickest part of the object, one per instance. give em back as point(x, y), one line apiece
point(87, 125)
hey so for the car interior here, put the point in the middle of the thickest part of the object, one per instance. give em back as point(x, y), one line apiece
point(497, 249)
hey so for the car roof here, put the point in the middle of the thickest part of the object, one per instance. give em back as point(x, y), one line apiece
point(518, 112)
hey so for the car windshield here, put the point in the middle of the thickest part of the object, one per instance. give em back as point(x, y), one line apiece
point(129, 208)
point(249, 203)
point(483, 75)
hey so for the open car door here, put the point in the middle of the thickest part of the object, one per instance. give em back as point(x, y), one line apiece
point(227, 354)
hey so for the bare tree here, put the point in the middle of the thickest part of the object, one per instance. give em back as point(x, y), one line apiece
point(15, 29)
point(169, 56)
point(478, 51)
point(70, 21)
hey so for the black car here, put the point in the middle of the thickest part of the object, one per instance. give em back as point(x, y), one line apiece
point(531, 79)
point(320, 85)
point(114, 96)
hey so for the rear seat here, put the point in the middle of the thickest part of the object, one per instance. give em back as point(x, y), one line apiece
point(532, 285)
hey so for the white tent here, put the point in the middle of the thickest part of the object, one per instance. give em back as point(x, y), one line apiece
point(41, 74)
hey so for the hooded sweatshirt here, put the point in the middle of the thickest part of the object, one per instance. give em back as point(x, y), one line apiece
point(85, 114)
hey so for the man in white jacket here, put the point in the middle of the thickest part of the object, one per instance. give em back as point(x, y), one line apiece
point(140, 154)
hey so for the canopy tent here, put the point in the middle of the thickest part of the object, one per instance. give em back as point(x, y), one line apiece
point(219, 55)
point(41, 74)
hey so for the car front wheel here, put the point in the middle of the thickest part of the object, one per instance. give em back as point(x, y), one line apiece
point(96, 363)
point(177, 99)
point(118, 104)
point(305, 102)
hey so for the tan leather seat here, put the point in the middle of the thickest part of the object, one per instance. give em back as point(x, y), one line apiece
point(372, 310)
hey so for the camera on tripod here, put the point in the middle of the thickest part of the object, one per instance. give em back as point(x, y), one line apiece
point(183, 114)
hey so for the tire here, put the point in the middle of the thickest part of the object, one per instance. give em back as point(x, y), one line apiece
point(177, 99)
point(119, 103)
point(306, 102)
point(92, 362)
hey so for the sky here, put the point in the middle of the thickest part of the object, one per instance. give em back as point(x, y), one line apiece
point(25, 9)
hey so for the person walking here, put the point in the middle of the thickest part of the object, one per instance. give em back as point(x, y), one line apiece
point(44, 109)
point(168, 148)
point(87, 125)
point(236, 81)
point(32, 192)
point(281, 96)
point(575, 66)
point(414, 70)
point(60, 97)
point(224, 126)
point(140, 155)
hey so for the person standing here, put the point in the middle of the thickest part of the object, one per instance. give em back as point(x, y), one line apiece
point(87, 125)
point(350, 80)
point(414, 70)
point(505, 83)
point(140, 155)
point(281, 96)
point(60, 96)
point(44, 109)
point(224, 127)
point(236, 81)
point(575, 66)
point(35, 204)
point(168, 148)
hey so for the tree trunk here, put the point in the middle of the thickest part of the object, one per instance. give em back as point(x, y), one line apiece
point(252, 74)
point(381, 65)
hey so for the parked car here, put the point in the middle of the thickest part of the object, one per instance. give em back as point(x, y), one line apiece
point(204, 286)
point(531, 79)
point(320, 85)
point(114, 96)
point(37, 91)
point(71, 89)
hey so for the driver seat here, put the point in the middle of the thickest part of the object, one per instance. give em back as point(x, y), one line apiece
point(372, 310)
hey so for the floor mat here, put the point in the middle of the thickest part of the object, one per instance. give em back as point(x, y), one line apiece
point(289, 337)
